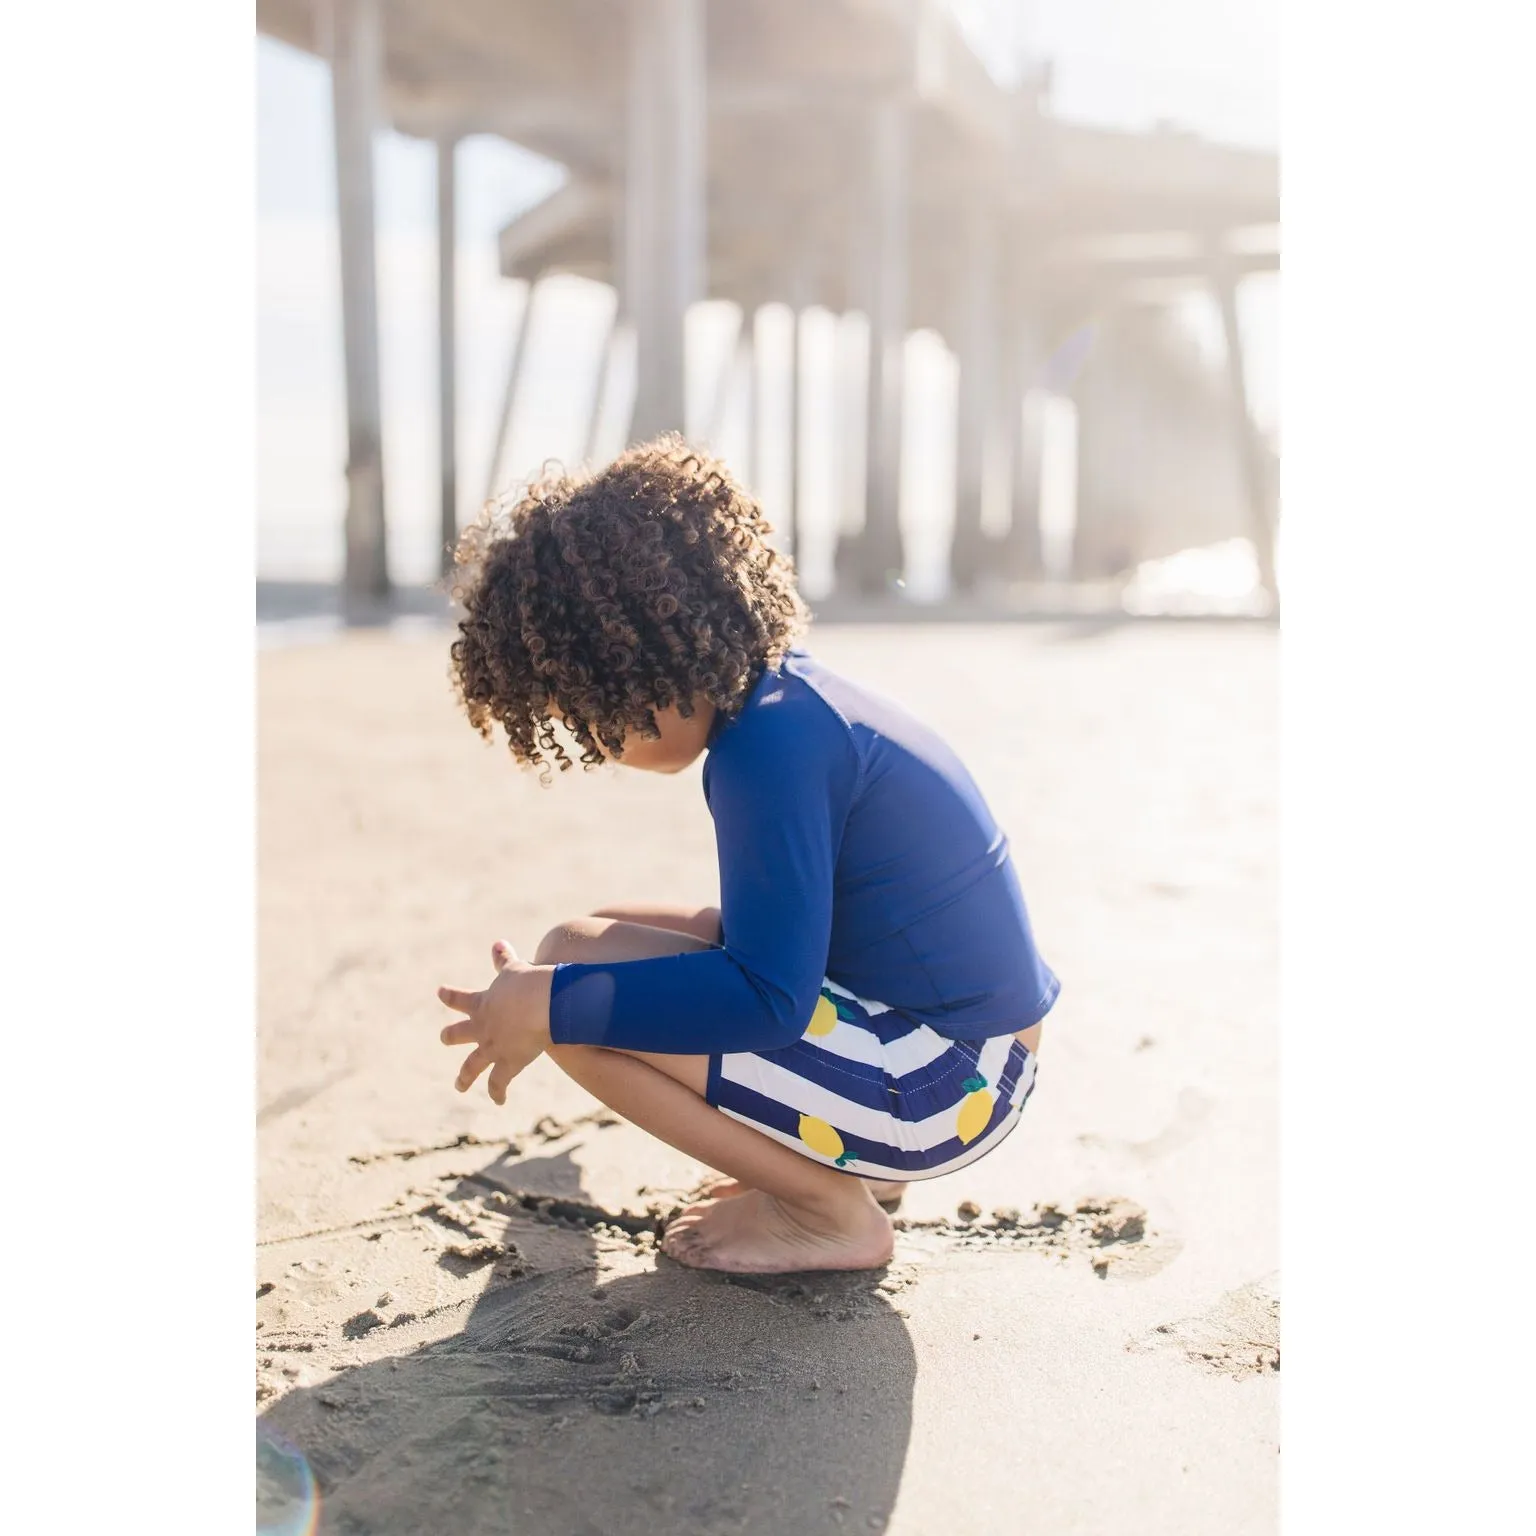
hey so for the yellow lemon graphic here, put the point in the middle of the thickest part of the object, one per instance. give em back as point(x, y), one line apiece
point(823, 1021)
point(820, 1137)
point(975, 1109)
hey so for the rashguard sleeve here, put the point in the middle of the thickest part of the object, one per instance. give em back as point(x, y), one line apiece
point(779, 799)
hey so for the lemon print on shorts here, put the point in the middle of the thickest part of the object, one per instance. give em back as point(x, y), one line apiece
point(820, 1137)
point(829, 1009)
point(823, 1021)
point(975, 1109)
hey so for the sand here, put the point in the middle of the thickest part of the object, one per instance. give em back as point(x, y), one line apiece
point(462, 1318)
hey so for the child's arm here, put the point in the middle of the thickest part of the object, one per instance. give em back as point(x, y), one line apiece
point(779, 792)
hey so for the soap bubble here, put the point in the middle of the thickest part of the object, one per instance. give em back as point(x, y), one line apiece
point(287, 1499)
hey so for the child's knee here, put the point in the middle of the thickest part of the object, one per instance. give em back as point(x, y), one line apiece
point(568, 941)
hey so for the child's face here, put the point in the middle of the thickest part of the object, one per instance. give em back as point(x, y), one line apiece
point(680, 743)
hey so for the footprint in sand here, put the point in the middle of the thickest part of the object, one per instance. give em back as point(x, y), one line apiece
point(1192, 1109)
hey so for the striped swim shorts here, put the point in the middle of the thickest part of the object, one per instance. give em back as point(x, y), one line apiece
point(867, 1090)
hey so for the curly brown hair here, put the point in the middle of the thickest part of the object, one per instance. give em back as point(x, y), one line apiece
point(602, 598)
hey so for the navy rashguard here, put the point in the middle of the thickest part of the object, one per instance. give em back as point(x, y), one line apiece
point(854, 846)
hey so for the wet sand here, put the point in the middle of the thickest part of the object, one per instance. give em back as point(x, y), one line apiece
point(462, 1318)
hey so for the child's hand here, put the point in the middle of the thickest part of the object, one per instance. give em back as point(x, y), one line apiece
point(508, 1023)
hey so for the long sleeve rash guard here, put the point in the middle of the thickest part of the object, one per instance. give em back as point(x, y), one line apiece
point(853, 845)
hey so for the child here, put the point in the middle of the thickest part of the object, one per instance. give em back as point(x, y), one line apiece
point(864, 1006)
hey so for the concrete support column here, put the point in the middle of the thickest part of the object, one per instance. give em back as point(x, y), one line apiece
point(850, 364)
point(613, 402)
point(1245, 433)
point(447, 350)
point(786, 531)
point(515, 361)
point(357, 48)
point(1095, 542)
point(725, 383)
point(1105, 543)
point(1000, 434)
point(600, 386)
point(870, 562)
point(618, 353)
point(1022, 554)
point(1023, 379)
point(976, 326)
point(664, 236)
point(746, 374)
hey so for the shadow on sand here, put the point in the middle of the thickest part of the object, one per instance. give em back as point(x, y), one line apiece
point(580, 1400)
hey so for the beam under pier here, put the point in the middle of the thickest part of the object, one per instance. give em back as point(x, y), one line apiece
point(664, 242)
point(447, 350)
point(976, 328)
point(357, 46)
point(1249, 448)
point(871, 561)
point(515, 364)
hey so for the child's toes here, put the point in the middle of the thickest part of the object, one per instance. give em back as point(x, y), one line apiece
point(685, 1245)
point(685, 1232)
point(679, 1236)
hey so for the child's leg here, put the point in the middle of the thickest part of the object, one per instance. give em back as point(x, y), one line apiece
point(702, 922)
point(794, 1214)
point(605, 936)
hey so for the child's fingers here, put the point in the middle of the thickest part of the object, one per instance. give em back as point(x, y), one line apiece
point(496, 1084)
point(465, 1002)
point(474, 1064)
point(460, 1032)
point(506, 1068)
point(502, 954)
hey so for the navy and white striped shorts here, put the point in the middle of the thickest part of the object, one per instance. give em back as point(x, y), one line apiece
point(868, 1091)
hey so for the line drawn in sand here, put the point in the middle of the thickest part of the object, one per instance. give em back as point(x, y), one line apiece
point(1238, 1335)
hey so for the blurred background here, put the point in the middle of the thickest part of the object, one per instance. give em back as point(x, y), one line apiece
point(980, 297)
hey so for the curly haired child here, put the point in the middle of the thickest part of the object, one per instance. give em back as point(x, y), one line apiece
point(863, 1007)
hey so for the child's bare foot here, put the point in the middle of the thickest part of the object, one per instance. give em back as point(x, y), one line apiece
point(720, 1186)
point(752, 1233)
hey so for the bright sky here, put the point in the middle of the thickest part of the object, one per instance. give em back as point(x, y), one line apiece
point(1208, 65)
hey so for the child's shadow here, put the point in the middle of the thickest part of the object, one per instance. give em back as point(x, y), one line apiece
point(669, 1401)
